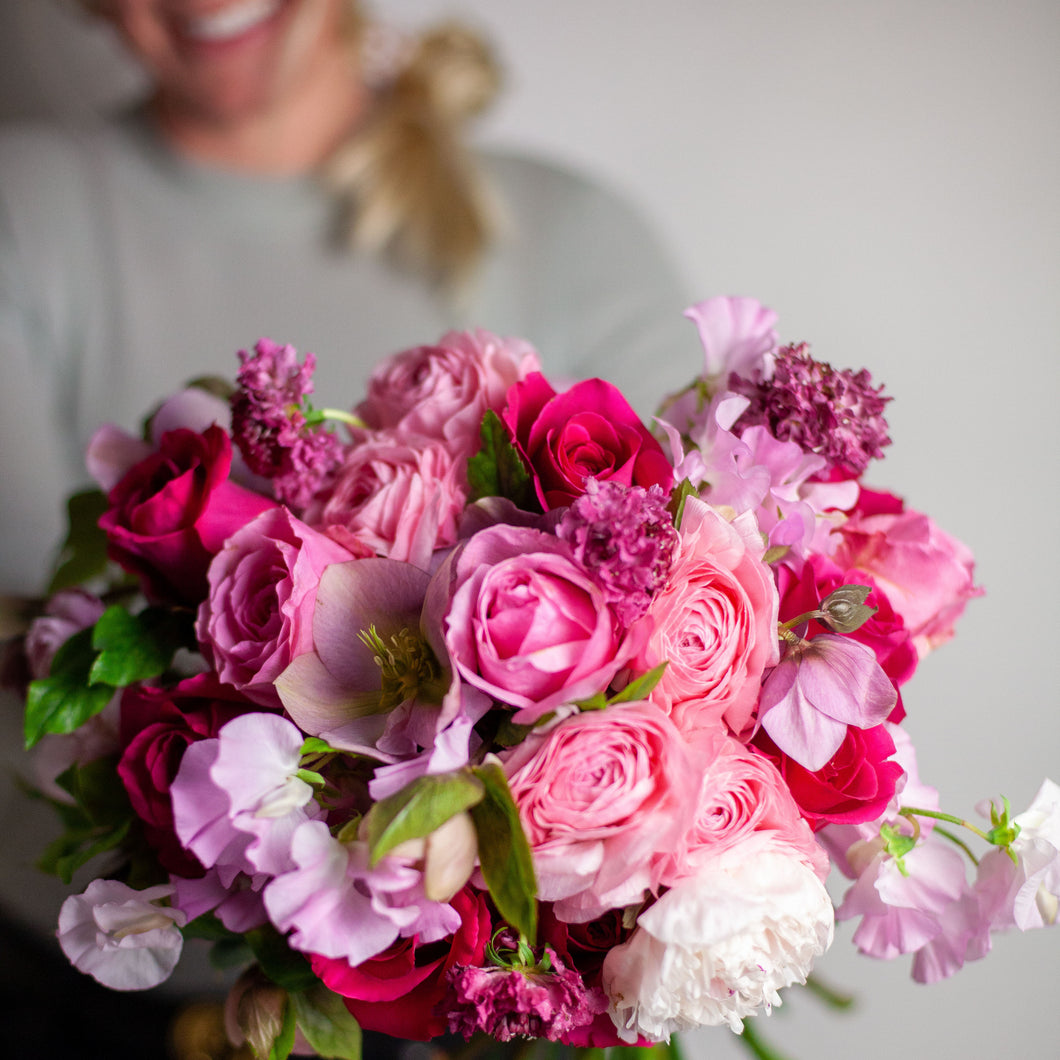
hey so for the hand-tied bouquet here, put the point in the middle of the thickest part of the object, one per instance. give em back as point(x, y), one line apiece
point(501, 712)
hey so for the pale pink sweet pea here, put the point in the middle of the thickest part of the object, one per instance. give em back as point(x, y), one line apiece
point(927, 575)
point(718, 947)
point(442, 391)
point(399, 496)
point(262, 592)
point(122, 937)
point(526, 624)
point(234, 898)
point(714, 623)
point(603, 797)
point(335, 905)
point(817, 689)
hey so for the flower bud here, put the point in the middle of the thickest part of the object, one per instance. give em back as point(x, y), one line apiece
point(845, 610)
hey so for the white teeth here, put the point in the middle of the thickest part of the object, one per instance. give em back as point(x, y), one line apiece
point(231, 21)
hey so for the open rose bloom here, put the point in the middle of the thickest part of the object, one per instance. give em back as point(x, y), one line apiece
point(491, 709)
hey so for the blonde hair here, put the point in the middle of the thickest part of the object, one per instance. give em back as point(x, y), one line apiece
point(408, 182)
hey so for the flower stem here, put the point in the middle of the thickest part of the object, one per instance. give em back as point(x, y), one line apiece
point(342, 417)
point(910, 811)
point(828, 994)
point(960, 842)
point(755, 1045)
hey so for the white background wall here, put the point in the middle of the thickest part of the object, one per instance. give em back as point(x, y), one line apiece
point(885, 176)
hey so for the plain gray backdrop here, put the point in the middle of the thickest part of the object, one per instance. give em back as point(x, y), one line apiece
point(885, 176)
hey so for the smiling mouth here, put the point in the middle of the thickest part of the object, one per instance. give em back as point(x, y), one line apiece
point(231, 22)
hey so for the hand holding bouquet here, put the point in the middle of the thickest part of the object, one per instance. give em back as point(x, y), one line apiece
point(487, 708)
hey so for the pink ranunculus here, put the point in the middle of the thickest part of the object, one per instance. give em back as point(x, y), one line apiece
point(854, 786)
point(399, 991)
point(400, 496)
point(157, 726)
point(171, 512)
point(927, 575)
point(442, 391)
point(603, 798)
point(588, 431)
point(740, 793)
point(715, 623)
point(258, 614)
point(526, 624)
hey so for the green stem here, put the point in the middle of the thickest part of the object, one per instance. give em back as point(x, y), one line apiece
point(828, 994)
point(960, 842)
point(910, 811)
point(757, 1046)
point(340, 415)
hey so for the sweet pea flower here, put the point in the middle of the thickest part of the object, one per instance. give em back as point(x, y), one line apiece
point(121, 937)
point(817, 689)
point(719, 946)
point(237, 799)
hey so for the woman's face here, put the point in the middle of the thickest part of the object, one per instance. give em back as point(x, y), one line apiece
point(219, 61)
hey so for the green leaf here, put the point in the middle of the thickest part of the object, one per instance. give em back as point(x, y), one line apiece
point(418, 809)
point(284, 966)
point(83, 554)
point(640, 687)
point(326, 1024)
point(681, 492)
point(64, 700)
point(284, 1043)
point(504, 854)
point(497, 469)
point(135, 647)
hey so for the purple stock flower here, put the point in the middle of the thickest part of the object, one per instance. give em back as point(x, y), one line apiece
point(508, 1003)
point(626, 538)
point(817, 689)
point(270, 427)
point(837, 414)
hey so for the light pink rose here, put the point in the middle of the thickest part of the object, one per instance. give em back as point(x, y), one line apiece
point(741, 793)
point(927, 575)
point(400, 496)
point(443, 391)
point(259, 611)
point(715, 623)
point(603, 798)
point(526, 624)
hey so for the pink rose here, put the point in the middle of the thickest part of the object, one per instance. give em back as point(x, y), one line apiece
point(603, 797)
point(172, 511)
point(258, 615)
point(927, 575)
point(526, 624)
point(443, 391)
point(399, 496)
point(588, 431)
point(715, 623)
point(740, 793)
point(400, 990)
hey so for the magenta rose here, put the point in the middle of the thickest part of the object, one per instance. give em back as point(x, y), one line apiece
point(927, 575)
point(398, 496)
point(603, 798)
point(443, 391)
point(172, 511)
point(526, 624)
point(740, 792)
point(855, 785)
point(714, 623)
point(157, 726)
point(588, 431)
point(258, 614)
point(400, 991)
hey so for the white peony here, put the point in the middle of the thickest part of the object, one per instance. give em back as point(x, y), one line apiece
point(720, 945)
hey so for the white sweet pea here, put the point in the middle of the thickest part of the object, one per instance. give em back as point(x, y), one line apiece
point(719, 946)
point(121, 937)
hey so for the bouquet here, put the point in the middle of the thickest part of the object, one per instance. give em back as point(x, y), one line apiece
point(489, 709)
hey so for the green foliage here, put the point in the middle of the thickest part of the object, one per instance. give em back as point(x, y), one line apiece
point(497, 469)
point(637, 689)
point(504, 854)
point(418, 809)
point(285, 967)
point(681, 492)
point(83, 554)
point(326, 1024)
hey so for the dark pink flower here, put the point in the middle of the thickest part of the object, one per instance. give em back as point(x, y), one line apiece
point(588, 431)
point(170, 513)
